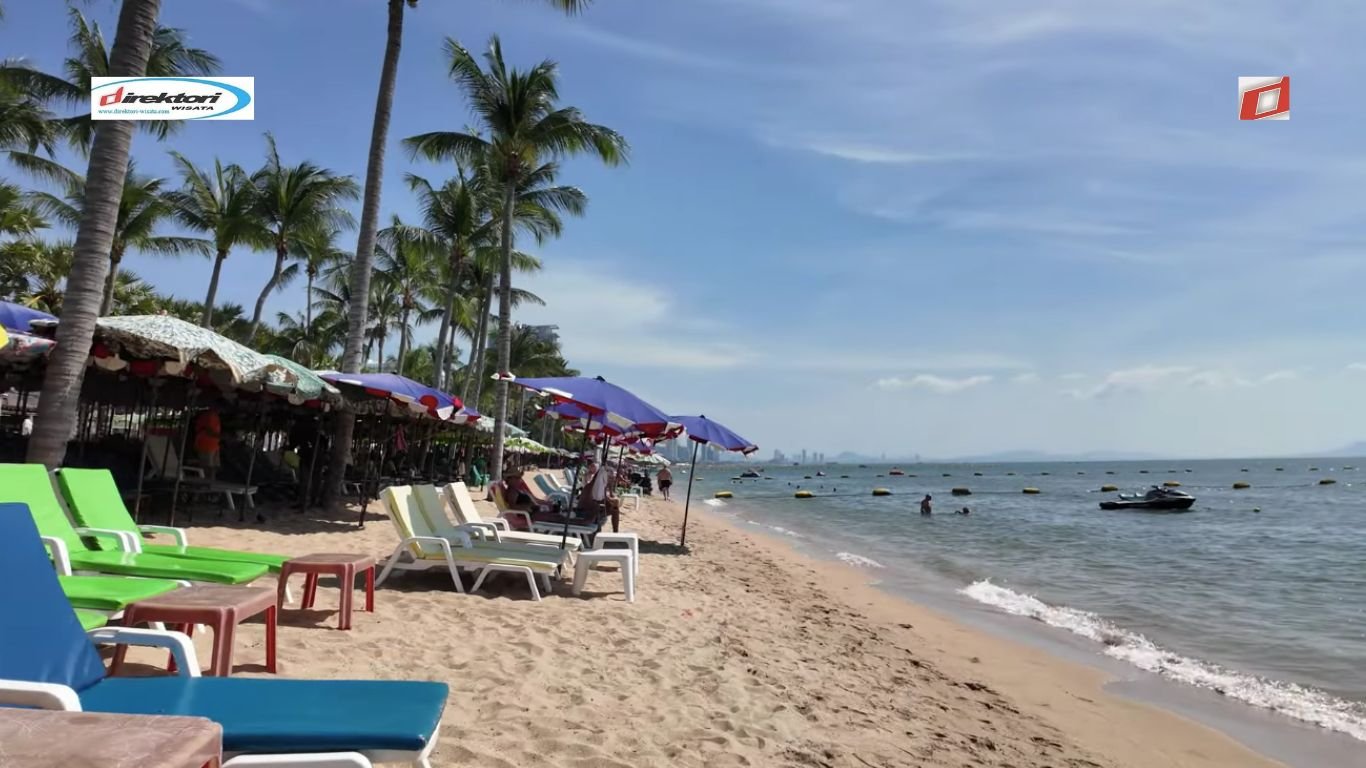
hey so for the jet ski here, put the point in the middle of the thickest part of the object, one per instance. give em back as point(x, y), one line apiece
point(749, 473)
point(1158, 499)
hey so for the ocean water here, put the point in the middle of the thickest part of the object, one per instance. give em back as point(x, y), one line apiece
point(1257, 594)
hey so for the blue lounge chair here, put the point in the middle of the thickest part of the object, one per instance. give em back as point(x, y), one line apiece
point(47, 661)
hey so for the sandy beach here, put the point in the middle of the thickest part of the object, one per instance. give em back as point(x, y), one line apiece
point(739, 652)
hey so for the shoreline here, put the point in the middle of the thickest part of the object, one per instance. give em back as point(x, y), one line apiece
point(740, 652)
point(1073, 696)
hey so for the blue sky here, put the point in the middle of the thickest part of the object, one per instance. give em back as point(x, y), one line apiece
point(944, 227)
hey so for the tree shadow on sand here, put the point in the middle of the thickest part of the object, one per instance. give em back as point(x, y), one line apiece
point(648, 547)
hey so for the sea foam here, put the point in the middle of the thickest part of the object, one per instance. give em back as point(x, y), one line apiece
point(858, 561)
point(1289, 699)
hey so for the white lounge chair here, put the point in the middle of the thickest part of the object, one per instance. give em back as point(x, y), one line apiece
point(164, 463)
point(584, 532)
point(421, 549)
point(467, 514)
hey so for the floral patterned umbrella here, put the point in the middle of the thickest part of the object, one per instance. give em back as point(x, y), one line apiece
point(178, 344)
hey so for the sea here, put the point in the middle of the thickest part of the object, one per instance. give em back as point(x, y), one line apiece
point(1256, 595)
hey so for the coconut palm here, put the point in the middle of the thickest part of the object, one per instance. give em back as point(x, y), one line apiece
point(170, 56)
point(221, 204)
point(34, 273)
point(294, 200)
point(18, 216)
point(369, 224)
point(409, 258)
point(25, 124)
point(485, 267)
point(143, 208)
point(95, 234)
point(527, 132)
point(316, 252)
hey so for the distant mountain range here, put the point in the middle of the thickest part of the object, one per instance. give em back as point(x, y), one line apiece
point(1354, 450)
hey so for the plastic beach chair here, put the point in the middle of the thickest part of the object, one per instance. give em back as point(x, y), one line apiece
point(93, 498)
point(421, 549)
point(30, 484)
point(48, 662)
point(549, 527)
point(467, 515)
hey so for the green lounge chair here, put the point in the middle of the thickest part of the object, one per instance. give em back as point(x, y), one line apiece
point(94, 500)
point(91, 619)
point(111, 593)
point(29, 484)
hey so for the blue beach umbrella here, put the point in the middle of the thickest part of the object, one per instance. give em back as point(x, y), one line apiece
point(402, 390)
point(702, 430)
point(604, 404)
point(17, 317)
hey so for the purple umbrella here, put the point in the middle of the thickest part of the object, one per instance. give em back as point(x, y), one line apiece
point(17, 317)
point(402, 390)
point(604, 404)
point(701, 430)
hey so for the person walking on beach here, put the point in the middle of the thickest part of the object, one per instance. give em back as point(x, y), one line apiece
point(925, 508)
point(665, 479)
point(208, 430)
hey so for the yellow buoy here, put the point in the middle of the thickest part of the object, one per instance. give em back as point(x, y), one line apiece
point(1032, 491)
point(881, 492)
point(1109, 488)
point(802, 495)
point(1241, 485)
point(1327, 481)
point(961, 492)
point(722, 494)
point(1172, 484)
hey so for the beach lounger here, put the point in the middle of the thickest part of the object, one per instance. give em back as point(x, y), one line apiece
point(112, 593)
point(93, 498)
point(553, 493)
point(30, 485)
point(548, 527)
point(485, 538)
point(467, 514)
point(164, 463)
point(48, 662)
point(420, 549)
point(91, 619)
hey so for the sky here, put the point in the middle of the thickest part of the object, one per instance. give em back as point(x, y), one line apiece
point(942, 227)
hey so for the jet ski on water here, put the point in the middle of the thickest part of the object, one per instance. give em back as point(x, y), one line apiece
point(749, 474)
point(1156, 499)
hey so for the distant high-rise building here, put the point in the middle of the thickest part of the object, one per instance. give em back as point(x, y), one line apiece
point(803, 455)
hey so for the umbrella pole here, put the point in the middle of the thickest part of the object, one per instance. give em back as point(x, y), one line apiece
point(573, 486)
point(692, 472)
point(251, 461)
point(312, 467)
point(184, 438)
point(142, 459)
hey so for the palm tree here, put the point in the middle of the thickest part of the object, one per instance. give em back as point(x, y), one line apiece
point(316, 251)
point(457, 214)
point(143, 208)
point(170, 56)
point(369, 222)
point(293, 200)
point(486, 268)
point(94, 240)
point(24, 121)
point(408, 258)
point(222, 204)
point(38, 279)
point(527, 132)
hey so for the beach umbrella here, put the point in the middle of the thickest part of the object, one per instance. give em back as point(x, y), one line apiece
point(417, 397)
point(703, 431)
point(304, 385)
point(19, 318)
point(603, 403)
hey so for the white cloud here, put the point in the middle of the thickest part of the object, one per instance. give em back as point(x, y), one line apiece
point(931, 383)
point(1132, 380)
point(1356, 366)
point(1026, 378)
point(1288, 374)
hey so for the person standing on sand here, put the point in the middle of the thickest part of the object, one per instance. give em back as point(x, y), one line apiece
point(208, 430)
point(925, 508)
point(665, 478)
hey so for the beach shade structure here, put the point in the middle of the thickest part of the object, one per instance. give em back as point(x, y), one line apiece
point(18, 318)
point(603, 403)
point(703, 431)
point(400, 389)
point(524, 445)
point(179, 345)
point(485, 424)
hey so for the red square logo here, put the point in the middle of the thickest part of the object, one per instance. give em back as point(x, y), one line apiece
point(1264, 98)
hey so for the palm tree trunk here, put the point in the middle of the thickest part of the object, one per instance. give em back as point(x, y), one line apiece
point(383, 333)
point(212, 296)
point(500, 403)
point(94, 240)
point(280, 253)
point(107, 304)
point(308, 301)
point(403, 339)
point(439, 356)
point(481, 359)
point(365, 243)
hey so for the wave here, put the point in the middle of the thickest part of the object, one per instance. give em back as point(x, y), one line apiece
point(1296, 701)
point(786, 532)
point(858, 561)
point(714, 503)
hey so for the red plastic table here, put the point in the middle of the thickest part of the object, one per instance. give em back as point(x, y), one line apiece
point(220, 607)
point(41, 739)
point(344, 567)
